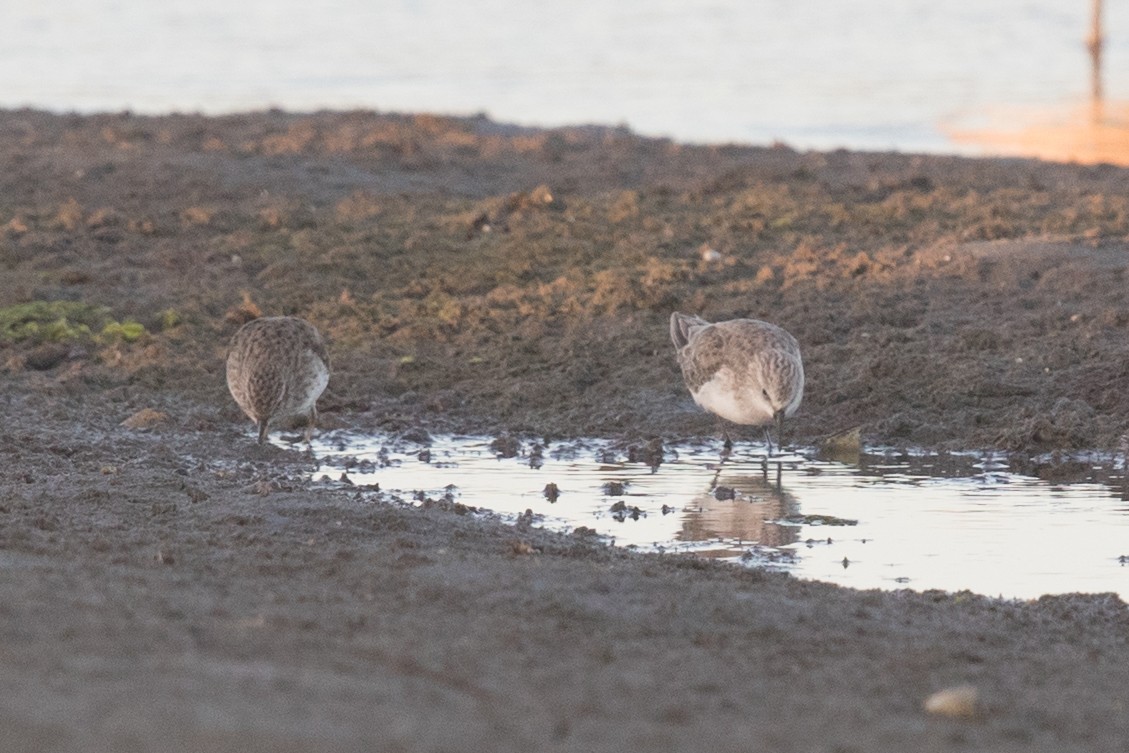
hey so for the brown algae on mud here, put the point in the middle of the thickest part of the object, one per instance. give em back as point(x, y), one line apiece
point(552, 321)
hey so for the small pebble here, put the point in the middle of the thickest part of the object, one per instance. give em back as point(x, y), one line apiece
point(957, 702)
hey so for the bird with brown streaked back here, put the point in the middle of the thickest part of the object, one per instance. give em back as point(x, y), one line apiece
point(743, 370)
point(277, 367)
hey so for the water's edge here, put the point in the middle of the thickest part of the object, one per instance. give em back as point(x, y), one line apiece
point(888, 518)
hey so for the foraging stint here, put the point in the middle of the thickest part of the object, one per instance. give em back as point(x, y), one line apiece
point(743, 370)
point(277, 368)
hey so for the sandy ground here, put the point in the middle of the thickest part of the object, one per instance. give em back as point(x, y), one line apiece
point(169, 585)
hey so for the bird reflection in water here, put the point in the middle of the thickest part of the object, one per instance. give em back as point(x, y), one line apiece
point(748, 509)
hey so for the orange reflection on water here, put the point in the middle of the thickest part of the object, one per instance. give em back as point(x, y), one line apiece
point(1089, 134)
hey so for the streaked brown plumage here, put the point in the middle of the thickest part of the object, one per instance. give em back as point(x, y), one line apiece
point(277, 367)
point(743, 370)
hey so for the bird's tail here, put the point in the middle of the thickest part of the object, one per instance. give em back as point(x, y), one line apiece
point(682, 326)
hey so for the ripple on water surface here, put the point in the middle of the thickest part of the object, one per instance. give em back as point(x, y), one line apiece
point(893, 520)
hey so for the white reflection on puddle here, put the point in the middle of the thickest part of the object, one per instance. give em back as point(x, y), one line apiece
point(893, 521)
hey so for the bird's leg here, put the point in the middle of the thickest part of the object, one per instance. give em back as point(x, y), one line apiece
point(727, 444)
point(311, 422)
point(726, 452)
point(716, 477)
point(779, 419)
point(263, 430)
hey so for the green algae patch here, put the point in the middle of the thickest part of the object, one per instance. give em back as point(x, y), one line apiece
point(168, 319)
point(127, 331)
point(37, 322)
point(51, 321)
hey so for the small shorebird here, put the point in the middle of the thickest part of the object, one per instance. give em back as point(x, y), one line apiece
point(743, 370)
point(277, 368)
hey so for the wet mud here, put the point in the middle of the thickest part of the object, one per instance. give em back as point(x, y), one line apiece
point(170, 585)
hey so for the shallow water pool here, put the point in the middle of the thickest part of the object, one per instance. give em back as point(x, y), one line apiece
point(890, 520)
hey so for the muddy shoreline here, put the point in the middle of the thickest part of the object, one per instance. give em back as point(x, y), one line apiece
point(171, 586)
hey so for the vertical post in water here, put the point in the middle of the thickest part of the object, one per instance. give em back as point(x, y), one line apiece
point(1094, 44)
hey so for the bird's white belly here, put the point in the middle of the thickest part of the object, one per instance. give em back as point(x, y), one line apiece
point(720, 395)
point(305, 401)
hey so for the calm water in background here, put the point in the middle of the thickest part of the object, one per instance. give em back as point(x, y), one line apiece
point(870, 74)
